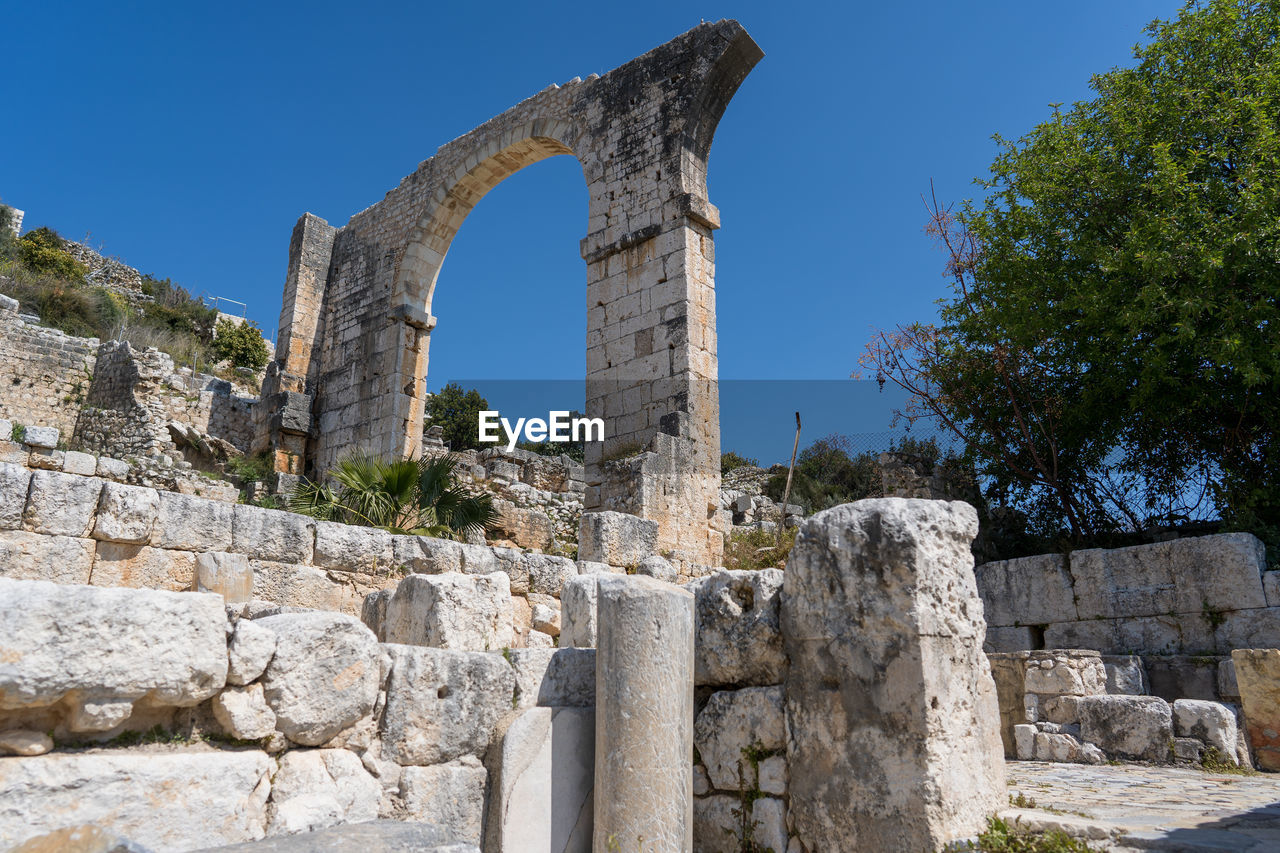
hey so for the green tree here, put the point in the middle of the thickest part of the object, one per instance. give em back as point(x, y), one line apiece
point(240, 343)
point(457, 411)
point(1108, 354)
point(730, 460)
point(411, 496)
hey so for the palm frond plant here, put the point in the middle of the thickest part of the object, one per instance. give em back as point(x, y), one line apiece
point(410, 496)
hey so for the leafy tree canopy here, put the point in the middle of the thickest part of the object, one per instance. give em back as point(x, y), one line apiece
point(240, 343)
point(457, 411)
point(1109, 352)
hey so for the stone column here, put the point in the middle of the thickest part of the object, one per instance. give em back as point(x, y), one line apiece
point(893, 728)
point(644, 717)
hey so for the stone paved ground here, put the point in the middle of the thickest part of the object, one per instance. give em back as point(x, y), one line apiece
point(1137, 807)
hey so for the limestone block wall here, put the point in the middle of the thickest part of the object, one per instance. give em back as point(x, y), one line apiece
point(330, 726)
point(1194, 596)
point(44, 373)
point(135, 395)
point(1079, 706)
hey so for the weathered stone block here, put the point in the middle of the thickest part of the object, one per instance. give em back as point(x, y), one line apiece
point(442, 704)
point(542, 793)
point(1258, 675)
point(269, 534)
point(1125, 675)
point(1228, 689)
point(616, 538)
point(317, 788)
point(32, 556)
point(1271, 587)
point(558, 678)
point(373, 613)
point(112, 469)
point(189, 523)
point(61, 504)
point(1210, 722)
point(229, 575)
point(142, 567)
point(350, 548)
point(1008, 639)
point(126, 513)
point(324, 675)
point(880, 613)
point(717, 824)
point(1008, 671)
point(304, 586)
point(1138, 727)
point(249, 651)
point(450, 796)
point(1065, 672)
point(578, 612)
point(1220, 572)
point(548, 574)
point(211, 798)
point(15, 481)
point(734, 729)
point(243, 712)
point(1246, 629)
point(738, 635)
point(44, 459)
point(451, 611)
point(1027, 591)
point(169, 648)
point(41, 436)
point(82, 464)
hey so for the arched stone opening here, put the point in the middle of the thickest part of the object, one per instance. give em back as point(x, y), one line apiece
point(356, 324)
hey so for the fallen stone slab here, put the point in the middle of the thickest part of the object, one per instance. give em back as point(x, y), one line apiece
point(1129, 726)
point(375, 836)
point(113, 646)
point(318, 788)
point(169, 801)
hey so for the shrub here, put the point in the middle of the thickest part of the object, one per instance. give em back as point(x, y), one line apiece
point(241, 344)
point(731, 460)
point(758, 549)
point(43, 251)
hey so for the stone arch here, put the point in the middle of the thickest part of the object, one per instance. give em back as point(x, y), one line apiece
point(351, 364)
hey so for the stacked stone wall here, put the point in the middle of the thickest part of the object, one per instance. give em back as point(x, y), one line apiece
point(1197, 596)
point(44, 373)
point(136, 395)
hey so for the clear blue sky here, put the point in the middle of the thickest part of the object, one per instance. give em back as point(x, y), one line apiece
point(186, 139)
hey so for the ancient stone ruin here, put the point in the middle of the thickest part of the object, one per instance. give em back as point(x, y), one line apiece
point(356, 325)
point(180, 671)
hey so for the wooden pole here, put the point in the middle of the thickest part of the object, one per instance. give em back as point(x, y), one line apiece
point(786, 494)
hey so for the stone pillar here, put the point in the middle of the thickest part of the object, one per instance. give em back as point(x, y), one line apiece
point(891, 709)
point(644, 715)
point(1258, 677)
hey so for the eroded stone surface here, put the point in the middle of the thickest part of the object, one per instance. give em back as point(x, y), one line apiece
point(735, 730)
point(108, 645)
point(644, 714)
point(891, 709)
point(451, 611)
point(739, 638)
point(449, 795)
point(616, 538)
point(317, 788)
point(243, 712)
point(324, 675)
point(126, 513)
point(1128, 726)
point(554, 677)
point(442, 704)
point(1258, 677)
point(210, 798)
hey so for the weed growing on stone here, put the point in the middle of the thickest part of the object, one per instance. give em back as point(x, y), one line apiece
point(756, 549)
point(1000, 837)
point(1213, 761)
